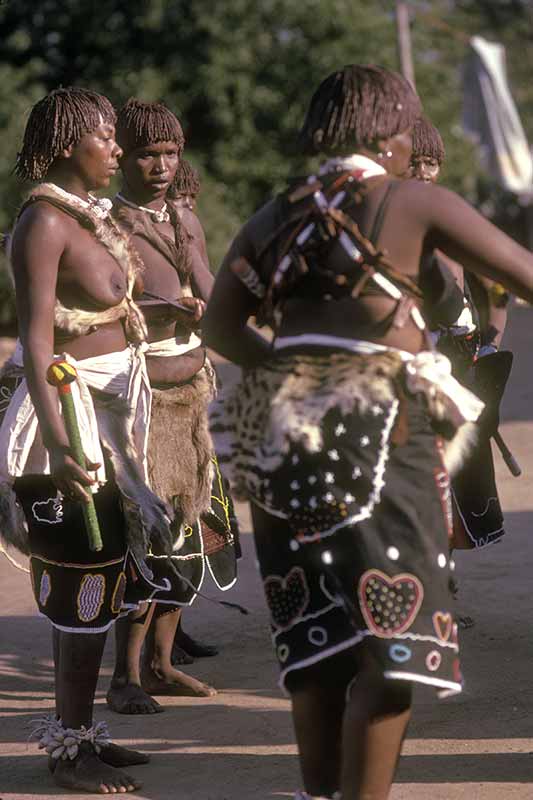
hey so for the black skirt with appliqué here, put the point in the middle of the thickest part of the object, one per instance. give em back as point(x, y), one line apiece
point(362, 557)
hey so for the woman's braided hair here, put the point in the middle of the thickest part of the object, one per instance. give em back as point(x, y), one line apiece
point(356, 106)
point(57, 121)
point(427, 141)
point(141, 124)
point(186, 182)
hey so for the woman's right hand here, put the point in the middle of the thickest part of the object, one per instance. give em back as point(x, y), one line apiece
point(69, 477)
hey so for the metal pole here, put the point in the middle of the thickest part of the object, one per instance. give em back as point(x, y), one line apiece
point(405, 52)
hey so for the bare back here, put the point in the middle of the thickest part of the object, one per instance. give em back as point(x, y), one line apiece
point(419, 219)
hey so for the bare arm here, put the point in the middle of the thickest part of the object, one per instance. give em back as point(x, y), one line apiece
point(38, 243)
point(225, 327)
point(169, 371)
point(201, 277)
point(457, 229)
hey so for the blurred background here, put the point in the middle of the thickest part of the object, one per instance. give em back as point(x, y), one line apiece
point(239, 74)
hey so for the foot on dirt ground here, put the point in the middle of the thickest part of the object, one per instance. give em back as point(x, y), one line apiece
point(131, 699)
point(192, 647)
point(86, 773)
point(175, 684)
point(179, 656)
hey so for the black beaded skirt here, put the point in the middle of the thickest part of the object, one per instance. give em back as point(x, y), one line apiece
point(357, 556)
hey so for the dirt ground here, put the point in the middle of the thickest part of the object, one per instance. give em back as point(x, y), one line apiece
point(239, 744)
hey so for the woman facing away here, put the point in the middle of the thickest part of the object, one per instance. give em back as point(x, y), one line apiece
point(333, 429)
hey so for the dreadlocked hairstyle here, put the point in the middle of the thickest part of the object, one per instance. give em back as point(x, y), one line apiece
point(140, 124)
point(354, 107)
point(186, 182)
point(427, 141)
point(57, 121)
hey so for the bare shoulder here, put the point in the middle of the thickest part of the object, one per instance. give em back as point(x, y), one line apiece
point(42, 219)
point(41, 236)
point(192, 223)
point(428, 199)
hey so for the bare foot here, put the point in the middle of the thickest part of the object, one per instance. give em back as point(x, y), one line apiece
point(87, 773)
point(114, 756)
point(175, 684)
point(131, 699)
point(179, 656)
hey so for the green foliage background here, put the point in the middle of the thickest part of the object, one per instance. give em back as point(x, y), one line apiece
point(239, 74)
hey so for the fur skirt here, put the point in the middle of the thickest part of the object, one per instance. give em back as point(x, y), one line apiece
point(184, 472)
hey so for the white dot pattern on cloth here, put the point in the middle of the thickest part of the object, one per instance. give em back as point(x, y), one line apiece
point(393, 553)
point(333, 455)
point(442, 560)
point(364, 441)
point(329, 477)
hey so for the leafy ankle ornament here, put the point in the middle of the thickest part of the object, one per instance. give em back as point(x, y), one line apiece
point(64, 743)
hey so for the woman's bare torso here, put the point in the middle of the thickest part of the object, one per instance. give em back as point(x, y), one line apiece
point(89, 278)
point(161, 279)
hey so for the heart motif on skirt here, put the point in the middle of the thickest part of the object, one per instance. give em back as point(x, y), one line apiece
point(389, 605)
point(443, 624)
point(287, 597)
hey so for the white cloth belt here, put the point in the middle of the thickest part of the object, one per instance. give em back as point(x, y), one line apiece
point(173, 346)
point(427, 372)
point(121, 374)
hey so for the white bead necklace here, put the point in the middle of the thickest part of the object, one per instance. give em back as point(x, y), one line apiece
point(159, 215)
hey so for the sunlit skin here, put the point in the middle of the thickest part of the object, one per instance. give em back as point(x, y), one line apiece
point(53, 256)
point(338, 737)
point(147, 173)
point(425, 169)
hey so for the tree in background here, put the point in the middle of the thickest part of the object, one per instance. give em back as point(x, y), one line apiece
point(239, 75)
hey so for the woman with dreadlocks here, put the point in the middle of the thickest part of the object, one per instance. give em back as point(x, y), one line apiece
point(471, 342)
point(180, 453)
point(332, 431)
point(74, 277)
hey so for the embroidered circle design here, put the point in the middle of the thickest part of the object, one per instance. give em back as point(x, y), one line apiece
point(400, 653)
point(389, 605)
point(118, 593)
point(45, 589)
point(317, 636)
point(393, 553)
point(91, 596)
point(442, 561)
point(443, 624)
point(433, 660)
point(283, 652)
point(287, 597)
point(293, 544)
point(327, 557)
point(452, 564)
